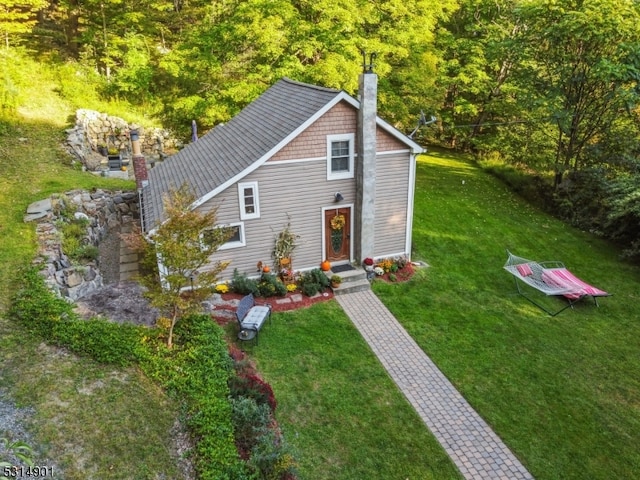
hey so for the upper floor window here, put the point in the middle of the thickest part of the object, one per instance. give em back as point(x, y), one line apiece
point(249, 201)
point(340, 154)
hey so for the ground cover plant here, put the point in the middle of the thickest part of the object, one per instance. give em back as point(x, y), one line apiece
point(91, 419)
point(342, 414)
point(562, 392)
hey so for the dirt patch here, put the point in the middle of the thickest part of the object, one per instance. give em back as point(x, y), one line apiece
point(121, 302)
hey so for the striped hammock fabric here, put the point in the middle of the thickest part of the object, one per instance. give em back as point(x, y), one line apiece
point(551, 278)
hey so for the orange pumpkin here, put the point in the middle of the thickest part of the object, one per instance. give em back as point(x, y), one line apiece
point(325, 266)
point(266, 269)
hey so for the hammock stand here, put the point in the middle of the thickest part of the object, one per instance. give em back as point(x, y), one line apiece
point(552, 279)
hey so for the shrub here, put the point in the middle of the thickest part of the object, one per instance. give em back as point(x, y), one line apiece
point(313, 281)
point(272, 457)
point(37, 308)
point(252, 386)
point(250, 421)
point(270, 286)
point(243, 285)
point(197, 370)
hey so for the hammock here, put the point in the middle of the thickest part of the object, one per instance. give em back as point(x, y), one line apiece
point(550, 278)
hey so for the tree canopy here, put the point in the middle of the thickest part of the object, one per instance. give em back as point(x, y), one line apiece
point(550, 84)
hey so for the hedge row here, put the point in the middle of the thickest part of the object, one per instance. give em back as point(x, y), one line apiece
point(196, 370)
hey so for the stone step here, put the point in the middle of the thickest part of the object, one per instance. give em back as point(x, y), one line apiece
point(352, 286)
point(350, 275)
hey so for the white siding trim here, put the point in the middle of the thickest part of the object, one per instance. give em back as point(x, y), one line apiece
point(392, 152)
point(243, 238)
point(411, 191)
point(297, 160)
point(256, 200)
point(345, 137)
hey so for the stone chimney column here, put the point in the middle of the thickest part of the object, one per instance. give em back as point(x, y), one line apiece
point(139, 162)
point(366, 166)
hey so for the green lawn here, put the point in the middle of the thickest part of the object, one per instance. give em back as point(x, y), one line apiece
point(563, 392)
point(338, 407)
point(93, 420)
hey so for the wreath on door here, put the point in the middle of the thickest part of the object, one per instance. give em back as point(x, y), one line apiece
point(337, 222)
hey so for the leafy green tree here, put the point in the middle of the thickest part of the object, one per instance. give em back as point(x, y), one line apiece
point(183, 244)
point(578, 68)
point(18, 17)
point(478, 57)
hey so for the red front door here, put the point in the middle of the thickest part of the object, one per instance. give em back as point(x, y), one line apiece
point(337, 234)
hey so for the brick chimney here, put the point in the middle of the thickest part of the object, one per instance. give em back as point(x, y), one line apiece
point(139, 162)
point(366, 164)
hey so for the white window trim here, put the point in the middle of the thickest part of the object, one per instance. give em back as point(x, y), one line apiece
point(254, 187)
point(236, 244)
point(350, 137)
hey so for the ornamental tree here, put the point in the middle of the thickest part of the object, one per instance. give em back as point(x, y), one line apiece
point(182, 245)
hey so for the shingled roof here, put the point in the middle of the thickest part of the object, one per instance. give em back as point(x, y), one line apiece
point(230, 151)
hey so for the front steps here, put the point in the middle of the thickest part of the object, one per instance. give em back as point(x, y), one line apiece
point(352, 281)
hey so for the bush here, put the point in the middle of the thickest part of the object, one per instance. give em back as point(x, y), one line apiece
point(243, 285)
point(252, 386)
point(272, 457)
point(270, 286)
point(313, 281)
point(197, 370)
point(250, 421)
point(37, 308)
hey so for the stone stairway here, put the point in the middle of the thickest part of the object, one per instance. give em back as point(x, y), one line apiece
point(352, 281)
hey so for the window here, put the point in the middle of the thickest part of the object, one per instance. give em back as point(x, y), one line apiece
point(249, 202)
point(340, 156)
point(236, 240)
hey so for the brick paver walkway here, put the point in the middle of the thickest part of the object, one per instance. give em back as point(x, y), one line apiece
point(472, 445)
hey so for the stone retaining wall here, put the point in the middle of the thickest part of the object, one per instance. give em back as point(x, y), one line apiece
point(104, 211)
point(94, 131)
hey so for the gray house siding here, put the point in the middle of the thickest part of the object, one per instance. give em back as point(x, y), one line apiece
point(288, 191)
point(392, 182)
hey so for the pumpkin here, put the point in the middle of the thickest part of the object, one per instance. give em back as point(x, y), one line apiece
point(266, 269)
point(325, 266)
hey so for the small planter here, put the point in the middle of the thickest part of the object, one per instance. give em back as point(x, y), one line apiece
point(336, 280)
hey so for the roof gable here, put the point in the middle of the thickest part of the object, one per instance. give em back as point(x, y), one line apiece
point(231, 151)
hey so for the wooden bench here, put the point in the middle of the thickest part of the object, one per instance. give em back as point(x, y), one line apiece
point(251, 318)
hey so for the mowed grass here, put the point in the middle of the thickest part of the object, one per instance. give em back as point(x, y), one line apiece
point(92, 420)
point(563, 392)
point(337, 406)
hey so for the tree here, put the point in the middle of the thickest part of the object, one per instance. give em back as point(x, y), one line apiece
point(18, 16)
point(577, 67)
point(478, 56)
point(183, 244)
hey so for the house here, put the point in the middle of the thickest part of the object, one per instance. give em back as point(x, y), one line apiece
point(301, 155)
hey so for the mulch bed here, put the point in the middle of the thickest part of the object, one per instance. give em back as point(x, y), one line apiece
point(402, 275)
point(225, 312)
